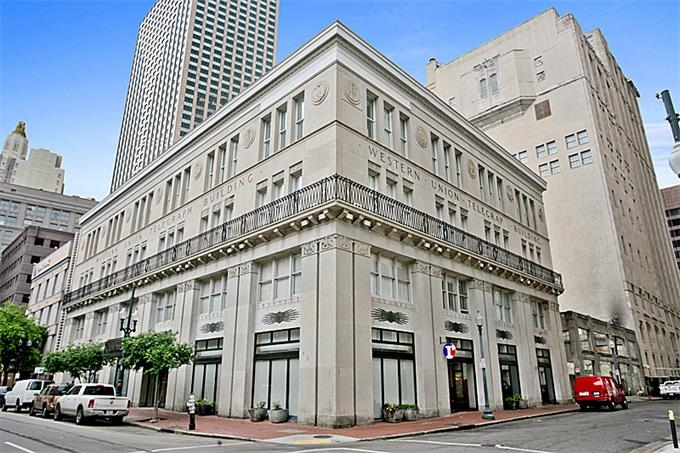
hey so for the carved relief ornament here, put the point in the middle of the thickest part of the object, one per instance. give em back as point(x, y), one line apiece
point(319, 92)
point(351, 92)
point(472, 168)
point(421, 137)
point(248, 137)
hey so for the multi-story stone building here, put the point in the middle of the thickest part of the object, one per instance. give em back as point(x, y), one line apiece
point(17, 260)
point(191, 57)
point(319, 240)
point(41, 169)
point(556, 98)
point(23, 206)
point(49, 282)
point(670, 197)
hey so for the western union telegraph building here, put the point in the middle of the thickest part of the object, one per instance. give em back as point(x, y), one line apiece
point(319, 239)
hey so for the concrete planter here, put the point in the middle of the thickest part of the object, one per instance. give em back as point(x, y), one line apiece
point(256, 414)
point(278, 415)
point(410, 414)
point(393, 416)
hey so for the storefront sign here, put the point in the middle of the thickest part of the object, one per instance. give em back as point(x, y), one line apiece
point(449, 351)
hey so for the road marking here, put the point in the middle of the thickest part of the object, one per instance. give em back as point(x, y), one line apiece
point(360, 450)
point(454, 444)
point(19, 447)
point(503, 447)
point(196, 447)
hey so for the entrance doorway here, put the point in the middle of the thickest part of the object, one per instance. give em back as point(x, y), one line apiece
point(510, 385)
point(461, 369)
point(149, 387)
point(545, 376)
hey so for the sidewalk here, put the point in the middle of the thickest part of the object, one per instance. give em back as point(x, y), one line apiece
point(292, 433)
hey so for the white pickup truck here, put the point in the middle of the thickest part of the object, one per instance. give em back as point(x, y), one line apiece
point(88, 401)
point(670, 389)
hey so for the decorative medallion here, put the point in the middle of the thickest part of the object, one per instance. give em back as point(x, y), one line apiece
point(540, 214)
point(196, 170)
point(280, 316)
point(503, 334)
point(389, 316)
point(472, 168)
point(210, 327)
point(319, 92)
point(539, 339)
point(509, 191)
point(248, 138)
point(421, 137)
point(456, 327)
point(158, 195)
point(351, 92)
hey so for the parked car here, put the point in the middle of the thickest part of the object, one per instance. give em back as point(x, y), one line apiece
point(22, 393)
point(44, 403)
point(90, 401)
point(599, 391)
point(3, 390)
point(670, 389)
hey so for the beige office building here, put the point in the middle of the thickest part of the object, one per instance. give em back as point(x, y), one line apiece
point(556, 98)
point(319, 240)
point(191, 57)
point(670, 196)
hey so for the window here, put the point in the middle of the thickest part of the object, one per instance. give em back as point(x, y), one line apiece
point(493, 82)
point(266, 137)
point(370, 115)
point(100, 321)
point(459, 168)
point(165, 306)
point(280, 278)
point(222, 154)
point(299, 103)
point(213, 294)
point(582, 137)
point(586, 157)
point(554, 167)
point(233, 156)
point(503, 306)
point(538, 314)
point(584, 339)
point(574, 161)
point(454, 294)
point(540, 76)
point(403, 134)
point(210, 171)
point(187, 183)
point(483, 88)
point(447, 162)
point(78, 327)
point(552, 147)
point(542, 110)
point(389, 114)
point(282, 118)
point(434, 145)
point(570, 141)
point(538, 61)
point(523, 156)
point(541, 151)
point(390, 278)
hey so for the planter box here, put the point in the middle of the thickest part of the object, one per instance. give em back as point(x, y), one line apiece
point(278, 415)
point(410, 414)
point(393, 417)
point(205, 410)
point(257, 415)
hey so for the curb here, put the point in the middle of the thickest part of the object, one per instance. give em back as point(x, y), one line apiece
point(362, 439)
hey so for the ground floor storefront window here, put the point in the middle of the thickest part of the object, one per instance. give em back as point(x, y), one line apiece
point(394, 378)
point(206, 372)
point(275, 379)
point(507, 358)
point(461, 374)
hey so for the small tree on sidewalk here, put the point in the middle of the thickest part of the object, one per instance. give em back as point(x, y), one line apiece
point(20, 340)
point(81, 362)
point(156, 353)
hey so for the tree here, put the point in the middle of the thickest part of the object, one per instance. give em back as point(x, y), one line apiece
point(82, 361)
point(20, 340)
point(156, 353)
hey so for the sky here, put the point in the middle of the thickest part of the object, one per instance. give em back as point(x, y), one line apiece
point(65, 64)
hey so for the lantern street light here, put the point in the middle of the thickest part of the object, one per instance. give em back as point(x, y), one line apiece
point(488, 415)
point(672, 118)
point(128, 325)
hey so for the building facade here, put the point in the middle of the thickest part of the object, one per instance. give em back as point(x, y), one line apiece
point(319, 241)
point(670, 197)
point(556, 98)
point(16, 265)
point(41, 169)
point(191, 57)
point(49, 282)
point(21, 207)
point(596, 347)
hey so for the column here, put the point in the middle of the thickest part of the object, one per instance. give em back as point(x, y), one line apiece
point(558, 355)
point(431, 367)
point(179, 380)
point(336, 387)
point(480, 295)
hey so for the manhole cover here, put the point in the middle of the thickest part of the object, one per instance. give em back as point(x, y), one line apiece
point(322, 436)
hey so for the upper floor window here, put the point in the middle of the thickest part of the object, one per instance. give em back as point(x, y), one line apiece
point(213, 294)
point(299, 103)
point(454, 294)
point(370, 115)
point(266, 137)
point(483, 88)
point(282, 119)
point(493, 83)
point(523, 156)
point(582, 137)
point(100, 323)
point(403, 135)
point(280, 278)
point(165, 306)
point(503, 305)
point(390, 278)
point(388, 126)
point(434, 149)
point(233, 156)
point(538, 314)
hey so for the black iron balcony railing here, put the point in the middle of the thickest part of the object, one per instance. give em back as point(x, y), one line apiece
point(323, 192)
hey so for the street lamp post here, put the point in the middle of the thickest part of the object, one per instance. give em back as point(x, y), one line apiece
point(487, 415)
point(128, 325)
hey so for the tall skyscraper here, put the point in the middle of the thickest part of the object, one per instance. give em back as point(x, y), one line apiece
point(556, 98)
point(670, 196)
point(191, 58)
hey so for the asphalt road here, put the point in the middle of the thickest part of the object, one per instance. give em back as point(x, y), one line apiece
point(600, 431)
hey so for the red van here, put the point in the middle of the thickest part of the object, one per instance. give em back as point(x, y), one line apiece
point(599, 391)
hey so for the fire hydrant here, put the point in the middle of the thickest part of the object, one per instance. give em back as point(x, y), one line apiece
point(191, 408)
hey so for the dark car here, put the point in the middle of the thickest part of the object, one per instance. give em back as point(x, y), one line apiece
point(44, 403)
point(3, 390)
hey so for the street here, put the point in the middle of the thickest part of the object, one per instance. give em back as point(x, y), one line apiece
point(598, 431)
